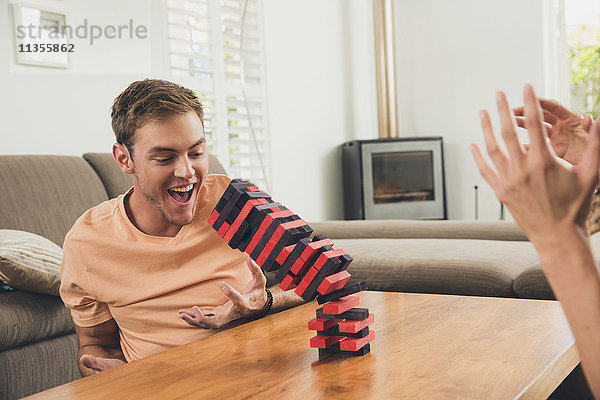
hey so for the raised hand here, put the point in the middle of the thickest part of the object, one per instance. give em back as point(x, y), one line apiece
point(567, 130)
point(98, 364)
point(542, 195)
point(250, 302)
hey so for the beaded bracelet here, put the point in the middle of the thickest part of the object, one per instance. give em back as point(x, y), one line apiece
point(265, 309)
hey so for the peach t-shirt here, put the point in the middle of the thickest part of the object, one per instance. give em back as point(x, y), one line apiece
point(111, 269)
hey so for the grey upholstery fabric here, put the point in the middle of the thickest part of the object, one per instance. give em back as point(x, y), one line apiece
point(46, 194)
point(114, 180)
point(408, 229)
point(117, 182)
point(27, 317)
point(447, 266)
point(215, 166)
point(532, 283)
point(38, 366)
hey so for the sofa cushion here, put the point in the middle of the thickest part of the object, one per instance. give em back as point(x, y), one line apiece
point(30, 317)
point(532, 283)
point(447, 266)
point(410, 229)
point(115, 181)
point(29, 262)
point(118, 182)
point(46, 194)
point(39, 366)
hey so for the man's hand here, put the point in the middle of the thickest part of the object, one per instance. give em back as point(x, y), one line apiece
point(542, 195)
point(99, 364)
point(250, 302)
point(567, 130)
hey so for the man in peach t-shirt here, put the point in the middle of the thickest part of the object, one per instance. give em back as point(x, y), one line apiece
point(145, 272)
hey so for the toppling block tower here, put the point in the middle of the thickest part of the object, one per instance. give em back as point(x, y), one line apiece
point(279, 240)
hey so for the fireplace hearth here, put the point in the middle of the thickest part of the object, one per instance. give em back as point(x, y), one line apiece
point(394, 179)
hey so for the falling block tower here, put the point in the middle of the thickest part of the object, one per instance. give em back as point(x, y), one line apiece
point(280, 241)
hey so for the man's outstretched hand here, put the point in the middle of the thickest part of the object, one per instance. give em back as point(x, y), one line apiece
point(543, 196)
point(567, 130)
point(250, 302)
point(99, 364)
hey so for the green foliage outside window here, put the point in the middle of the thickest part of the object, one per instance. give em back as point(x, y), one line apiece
point(584, 58)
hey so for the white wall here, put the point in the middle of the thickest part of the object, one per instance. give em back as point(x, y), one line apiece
point(321, 93)
point(451, 58)
point(320, 84)
point(67, 111)
point(319, 70)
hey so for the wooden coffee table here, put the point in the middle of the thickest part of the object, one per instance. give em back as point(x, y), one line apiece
point(426, 346)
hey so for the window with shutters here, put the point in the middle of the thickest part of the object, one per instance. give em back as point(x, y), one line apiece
point(205, 46)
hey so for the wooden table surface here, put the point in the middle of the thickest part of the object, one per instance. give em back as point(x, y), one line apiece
point(426, 346)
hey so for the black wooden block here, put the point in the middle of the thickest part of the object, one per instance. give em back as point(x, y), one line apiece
point(335, 331)
point(355, 314)
point(335, 349)
point(343, 292)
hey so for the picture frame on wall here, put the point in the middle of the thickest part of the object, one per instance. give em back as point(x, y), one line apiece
point(39, 37)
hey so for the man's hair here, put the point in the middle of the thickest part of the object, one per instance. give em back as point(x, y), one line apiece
point(150, 100)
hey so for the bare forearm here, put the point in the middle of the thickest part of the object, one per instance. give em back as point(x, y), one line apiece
point(571, 271)
point(284, 299)
point(98, 351)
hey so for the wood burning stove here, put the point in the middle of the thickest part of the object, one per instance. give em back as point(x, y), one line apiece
point(399, 178)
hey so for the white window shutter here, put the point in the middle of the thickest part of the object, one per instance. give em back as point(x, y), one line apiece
point(204, 54)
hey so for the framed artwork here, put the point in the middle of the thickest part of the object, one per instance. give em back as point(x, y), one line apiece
point(40, 38)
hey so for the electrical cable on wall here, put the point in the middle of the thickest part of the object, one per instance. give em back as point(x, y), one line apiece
point(243, 86)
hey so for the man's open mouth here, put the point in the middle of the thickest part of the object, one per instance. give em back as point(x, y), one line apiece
point(182, 194)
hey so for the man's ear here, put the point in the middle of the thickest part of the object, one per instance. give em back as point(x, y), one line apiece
point(123, 158)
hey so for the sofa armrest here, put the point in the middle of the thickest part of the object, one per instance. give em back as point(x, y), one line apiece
point(405, 229)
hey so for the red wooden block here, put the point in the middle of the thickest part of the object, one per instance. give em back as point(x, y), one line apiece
point(322, 342)
point(263, 228)
point(285, 252)
point(266, 252)
point(321, 324)
point(334, 253)
point(240, 218)
point(341, 305)
point(262, 257)
point(299, 266)
point(350, 344)
point(289, 282)
point(278, 214)
point(312, 248)
point(223, 229)
point(351, 326)
point(252, 189)
point(297, 223)
point(326, 255)
point(213, 217)
point(255, 240)
point(333, 282)
point(310, 275)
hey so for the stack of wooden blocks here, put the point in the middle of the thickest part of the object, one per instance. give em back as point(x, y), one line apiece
point(279, 240)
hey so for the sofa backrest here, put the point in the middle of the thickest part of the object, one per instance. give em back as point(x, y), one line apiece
point(117, 182)
point(46, 194)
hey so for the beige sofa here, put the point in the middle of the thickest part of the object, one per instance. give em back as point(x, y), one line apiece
point(46, 194)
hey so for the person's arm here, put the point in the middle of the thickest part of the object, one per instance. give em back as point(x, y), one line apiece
point(283, 300)
point(99, 348)
point(550, 203)
point(569, 265)
point(240, 305)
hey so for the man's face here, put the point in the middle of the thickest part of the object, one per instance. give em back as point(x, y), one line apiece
point(171, 162)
